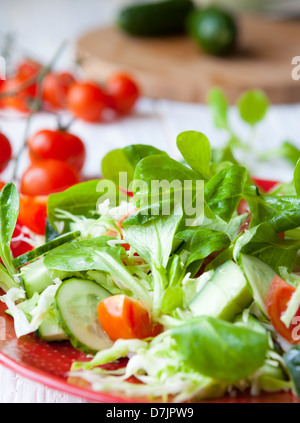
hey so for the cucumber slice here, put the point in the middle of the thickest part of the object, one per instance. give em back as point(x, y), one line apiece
point(259, 276)
point(225, 295)
point(36, 277)
point(50, 330)
point(77, 301)
point(43, 249)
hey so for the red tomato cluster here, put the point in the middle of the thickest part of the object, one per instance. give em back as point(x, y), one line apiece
point(86, 100)
point(57, 156)
point(20, 89)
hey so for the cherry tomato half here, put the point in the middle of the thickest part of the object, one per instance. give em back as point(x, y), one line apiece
point(243, 207)
point(124, 318)
point(279, 296)
point(58, 145)
point(123, 92)
point(265, 185)
point(33, 213)
point(18, 244)
point(87, 101)
point(5, 152)
point(55, 89)
point(47, 177)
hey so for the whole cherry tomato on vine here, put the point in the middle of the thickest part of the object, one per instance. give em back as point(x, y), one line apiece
point(87, 101)
point(33, 213)
point(5, 152)
point(19, 93)
point(55, 89)
point(58, 145)
point(28, 69)
point(47, 177)
point(123, 92)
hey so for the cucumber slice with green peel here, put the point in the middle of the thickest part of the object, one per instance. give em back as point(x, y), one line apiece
point(43, 249)
point(225, 295)
point(77, 301)
point(50, 330)
point(36, 277)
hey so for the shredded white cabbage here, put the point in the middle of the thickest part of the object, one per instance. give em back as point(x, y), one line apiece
point(157, 365)
point(118, 213)
point(21, 323)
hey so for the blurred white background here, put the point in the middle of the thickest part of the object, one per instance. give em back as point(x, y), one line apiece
point(39, 26)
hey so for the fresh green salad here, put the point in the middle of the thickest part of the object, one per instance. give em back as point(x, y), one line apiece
point(184, 272)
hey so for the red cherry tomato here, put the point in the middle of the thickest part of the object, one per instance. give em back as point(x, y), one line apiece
point(279, 296)
point(2, 85)
point(243, 207)
point(264, 184)
point(5, 152)
point(2, 185)
point(124, 318)
point(18, 244)
point(28, 69)
point(33, 213)
point(47, 177)
point(87, 101)
point(20, 97)
point(123, 92)
point(55, 89)
point(58, 145)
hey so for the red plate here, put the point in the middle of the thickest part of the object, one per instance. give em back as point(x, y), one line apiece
point(49, 364)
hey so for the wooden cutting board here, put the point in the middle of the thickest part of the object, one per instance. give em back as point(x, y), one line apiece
point(175, 68)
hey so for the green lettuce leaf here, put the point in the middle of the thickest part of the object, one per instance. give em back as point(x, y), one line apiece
point(221, 350)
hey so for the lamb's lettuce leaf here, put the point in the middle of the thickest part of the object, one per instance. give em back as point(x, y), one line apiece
point(199, 243)
point(263, 242)
point(95, 254)
point(223, 191)
point(82, 200)
point(9, 211)
point(153, 241)
point(221, 350)
point(253, 106)
point(195, 148)
point(282, 212)
point(125, 160)
point(292, 362)
point(297, 177)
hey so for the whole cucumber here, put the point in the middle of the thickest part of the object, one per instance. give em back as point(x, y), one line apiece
point(155, 19)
